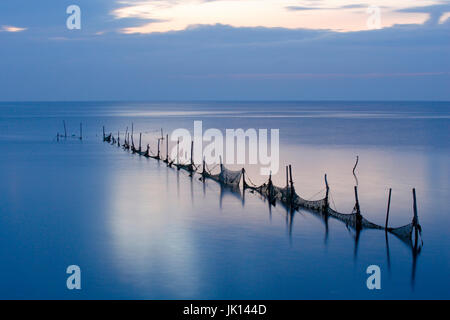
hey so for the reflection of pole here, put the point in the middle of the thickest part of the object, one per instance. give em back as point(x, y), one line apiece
point(387, 252)
point(388, 208)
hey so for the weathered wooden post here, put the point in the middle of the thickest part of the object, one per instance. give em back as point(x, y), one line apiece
point(159, 141)
point(326, 194)
point(270, 188)
point(178, 151)
point(140, 138)
point(192, 153)
point(167, 148)
point(415, 219)
point(415, 222)
point(291, 181)
point(204, 169)
point(358, 211)
point(388, 209)
point(243, 185)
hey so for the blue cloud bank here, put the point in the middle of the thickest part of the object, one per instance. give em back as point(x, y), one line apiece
point(217, 62)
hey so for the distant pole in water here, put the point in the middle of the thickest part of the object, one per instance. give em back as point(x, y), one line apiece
point(167, 148)
point(354, 169)
point(140, 138)
point(159, 141)
point(414, 207)
point(104, 136)
point(192, 153)
point(81, 131)
point(178, 151)
point(356, 164)
point(291, 181)
point(358, 211)
point(327, 192)
point(65, 130)
point(415, 222)
point(388, 209)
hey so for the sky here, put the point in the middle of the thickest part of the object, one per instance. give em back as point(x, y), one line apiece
point(225, 50)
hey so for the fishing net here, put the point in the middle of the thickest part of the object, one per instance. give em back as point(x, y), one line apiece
point(226, 176)
point(286, 195)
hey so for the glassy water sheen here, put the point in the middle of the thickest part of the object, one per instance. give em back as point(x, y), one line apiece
point(140, 230)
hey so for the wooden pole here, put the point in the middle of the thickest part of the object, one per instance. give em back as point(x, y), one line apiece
point(65, 131)
point(178, 151)
point(270, 187)
point(291, 181)
point(81, 131)
point(414, 207)
point(167, 148)
point(358, 212)
point(140, 138)
point(388, 209)
point(192, 152)
point(204, 168)
point(292, 184)
point(104, 133)
point(159, 141)
point(327, 192)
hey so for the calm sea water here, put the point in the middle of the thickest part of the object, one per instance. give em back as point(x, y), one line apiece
point(140, 230)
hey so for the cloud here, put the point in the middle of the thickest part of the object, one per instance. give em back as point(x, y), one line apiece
point(174, 15)
point(224, 61)
point(11, 29)
point(435, 12)
point(300, 8)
